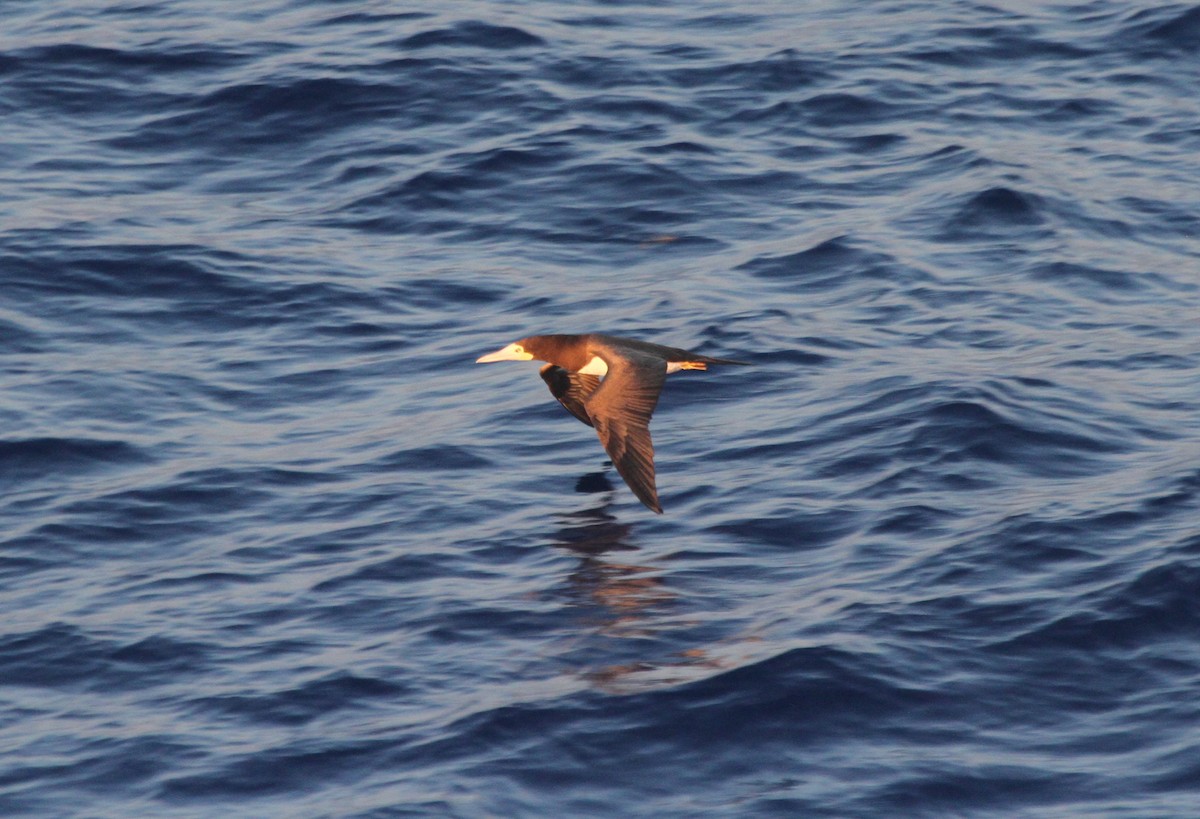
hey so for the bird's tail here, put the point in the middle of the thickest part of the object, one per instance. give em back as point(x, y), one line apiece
point(701, 362)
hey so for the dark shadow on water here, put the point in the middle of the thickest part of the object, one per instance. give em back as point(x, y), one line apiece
point(594, 482)
point(596, 530)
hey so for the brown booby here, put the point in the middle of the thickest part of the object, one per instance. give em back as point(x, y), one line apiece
point(620, 406)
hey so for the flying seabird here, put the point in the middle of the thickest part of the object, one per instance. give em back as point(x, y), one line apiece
point(620, 406)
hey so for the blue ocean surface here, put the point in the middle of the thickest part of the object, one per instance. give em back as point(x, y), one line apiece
point(273, 545)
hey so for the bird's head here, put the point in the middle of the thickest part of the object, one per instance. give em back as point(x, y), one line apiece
point(513, 352)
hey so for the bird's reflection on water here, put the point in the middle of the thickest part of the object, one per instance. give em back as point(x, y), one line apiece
point(626, 599)
point(619, 590)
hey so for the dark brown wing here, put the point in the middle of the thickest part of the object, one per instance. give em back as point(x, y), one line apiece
point(571, 389)
point(620, 409)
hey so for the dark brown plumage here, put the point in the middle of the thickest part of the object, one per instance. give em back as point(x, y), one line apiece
point(619, 407)
point(571, 389)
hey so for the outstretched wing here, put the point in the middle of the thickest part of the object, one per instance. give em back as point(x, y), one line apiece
point(620, 410)
point(571, 389)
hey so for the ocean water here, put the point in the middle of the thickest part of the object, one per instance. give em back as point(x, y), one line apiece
point(272, 545)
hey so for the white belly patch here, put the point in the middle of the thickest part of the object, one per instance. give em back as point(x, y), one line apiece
point(595, 367)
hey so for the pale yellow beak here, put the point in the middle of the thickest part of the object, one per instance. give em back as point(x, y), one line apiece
point(513, 352)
